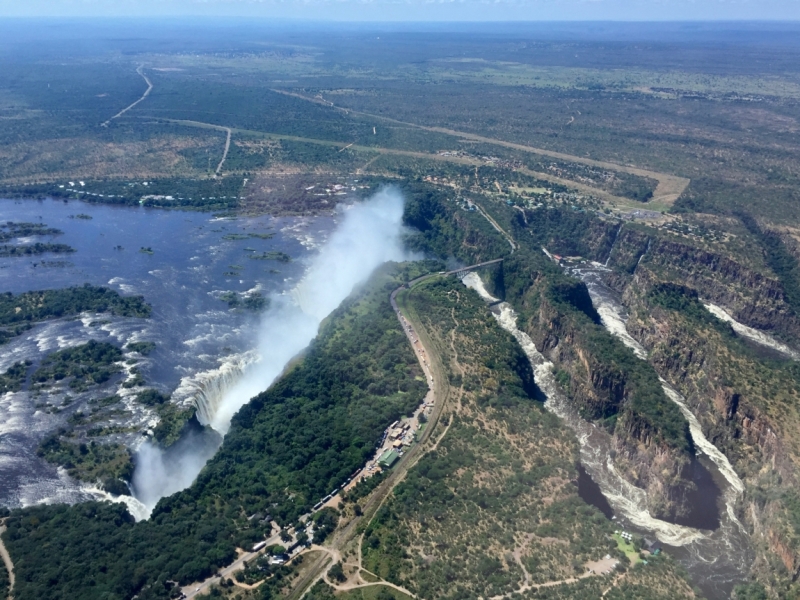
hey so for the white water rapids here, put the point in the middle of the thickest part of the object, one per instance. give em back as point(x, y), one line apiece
point(751, 334)
point(717, 559)
point(595, 443)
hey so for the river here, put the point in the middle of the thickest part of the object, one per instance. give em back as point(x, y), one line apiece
point(195, 258)
point(718, 557)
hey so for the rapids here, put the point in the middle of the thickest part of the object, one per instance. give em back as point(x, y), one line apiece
point(195, 259)
point(716, 560)
point(754, 335)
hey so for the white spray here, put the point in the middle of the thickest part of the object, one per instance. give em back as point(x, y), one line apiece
point(370, 234)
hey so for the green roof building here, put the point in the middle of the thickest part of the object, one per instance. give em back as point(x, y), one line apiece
point(388, 459)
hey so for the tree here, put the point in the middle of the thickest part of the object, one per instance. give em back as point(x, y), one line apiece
point(337, 572)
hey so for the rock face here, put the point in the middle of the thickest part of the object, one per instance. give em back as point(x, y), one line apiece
point(603, 390)
point(752, 298)
point(704, 365)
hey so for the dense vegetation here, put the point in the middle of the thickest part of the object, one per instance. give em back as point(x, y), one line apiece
point(444, 229)
point(88, 364)
point(568, 232)
point(686, 103)
point(14, 378)
point(143, 348)
point(92, 462)
point(30, 307)
point(286, 449)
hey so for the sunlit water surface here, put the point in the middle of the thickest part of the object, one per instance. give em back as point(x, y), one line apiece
point(197, 335)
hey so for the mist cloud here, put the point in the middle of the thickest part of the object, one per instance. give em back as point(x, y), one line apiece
point(369, 235)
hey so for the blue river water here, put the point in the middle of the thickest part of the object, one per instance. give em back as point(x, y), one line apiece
point(193, 258)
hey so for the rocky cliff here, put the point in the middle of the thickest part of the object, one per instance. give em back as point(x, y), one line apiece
point(746, 406)
point(751, 297)
point(612, 387)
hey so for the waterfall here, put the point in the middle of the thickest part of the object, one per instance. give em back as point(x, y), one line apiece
point(206, 390)
point(136, 508)
point(212, 386)
point(613, 242)
point(370, 234)
point(646, 250)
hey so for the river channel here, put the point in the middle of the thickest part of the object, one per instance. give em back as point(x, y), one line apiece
point(192, 259)
point(713, 545)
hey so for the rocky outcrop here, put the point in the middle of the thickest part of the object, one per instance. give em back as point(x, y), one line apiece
point(751, 297)
point(603, 390)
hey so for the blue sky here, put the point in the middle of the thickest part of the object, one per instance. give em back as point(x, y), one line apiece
point(418, 10)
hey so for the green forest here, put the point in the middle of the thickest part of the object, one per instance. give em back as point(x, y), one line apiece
point(289, 447)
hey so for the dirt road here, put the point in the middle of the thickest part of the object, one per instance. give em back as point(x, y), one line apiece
point(194, 589)
point(127, 108)
point(225, 153)
point(7, 560)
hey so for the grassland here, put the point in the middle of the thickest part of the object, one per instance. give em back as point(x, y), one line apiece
point(607, 127)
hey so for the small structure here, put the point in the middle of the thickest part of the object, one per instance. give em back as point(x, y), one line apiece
point(388, 459)
point(652, 546)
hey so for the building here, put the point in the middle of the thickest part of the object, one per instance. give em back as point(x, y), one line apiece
point(652, 546)
point(388, 459)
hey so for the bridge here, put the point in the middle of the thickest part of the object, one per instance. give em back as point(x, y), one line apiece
point(462, 272)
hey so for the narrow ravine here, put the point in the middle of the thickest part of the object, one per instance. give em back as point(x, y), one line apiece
point(722, 556)
point(716, 559)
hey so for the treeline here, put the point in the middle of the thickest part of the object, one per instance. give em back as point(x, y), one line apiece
point(11, 230)
point(285, 450)
point(7, 251)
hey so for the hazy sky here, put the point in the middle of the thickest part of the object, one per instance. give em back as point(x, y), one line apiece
point(417, 10)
